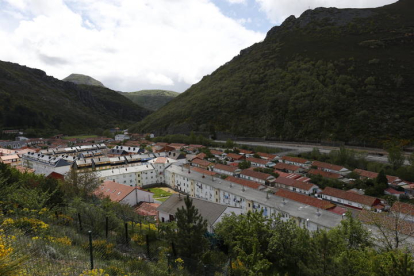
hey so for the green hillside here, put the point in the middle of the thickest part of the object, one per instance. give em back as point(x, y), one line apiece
point(82, 79)
point(29, 99)
point(336, 74)
point(151, 99)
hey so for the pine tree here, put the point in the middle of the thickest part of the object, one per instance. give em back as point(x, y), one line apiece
point(191, 227)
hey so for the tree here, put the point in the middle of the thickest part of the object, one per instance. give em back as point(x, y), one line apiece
point(191, 227)
point(395, 157)
point(229, 144)
point(381, 180)
point(244, 165)
point(410, 159)
point(80, 183)
point(247, 237)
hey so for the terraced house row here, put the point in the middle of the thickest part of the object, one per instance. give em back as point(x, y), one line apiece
point(250, 198)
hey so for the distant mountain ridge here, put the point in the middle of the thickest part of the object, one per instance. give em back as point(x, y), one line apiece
point(83, 79)
point(331, 74)
point(29, 99)
point(151, 99)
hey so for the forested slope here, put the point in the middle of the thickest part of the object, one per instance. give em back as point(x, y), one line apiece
point(29, 99)
point(336, 74)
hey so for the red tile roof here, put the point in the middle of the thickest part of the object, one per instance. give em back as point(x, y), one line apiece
point(161, 160)
point(295, 159)
point(24, 169)
point(147, 209)
point(200, 162)
point(308, 200)
point(201, 155)
point(372, 175)
point(327, 166)
point(254, 174)
point(404, 208)
point(235, 156)
point(244, 182)
point(350, 196)
point(284, 166)
point(56, 176)
point(225, 168)
point(113, 190)
point(387, 221)
point(203, 171)
point(257, 160)
point(245, 151)
point(267, 155)
point(216, 152)
point(325, 174)
point(393, 191)
point(295, 183)
point(338, 210)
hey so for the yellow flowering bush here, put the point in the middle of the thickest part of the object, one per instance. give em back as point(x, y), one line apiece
point(179, 263)
point(63, 240)
point(101, 247)
point(9, 263)
point(139, 239)
point(144, 226)
point(29, 225)
point(94, 272)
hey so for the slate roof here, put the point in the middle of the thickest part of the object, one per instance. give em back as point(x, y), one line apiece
point(210, 211)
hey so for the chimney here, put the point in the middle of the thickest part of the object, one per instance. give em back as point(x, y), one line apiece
point(318, 212)
point(284, 201)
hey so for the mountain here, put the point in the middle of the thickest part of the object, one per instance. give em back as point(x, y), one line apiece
point(83, 79)
point(29, 99)
point(151, 99)
point(334, 74)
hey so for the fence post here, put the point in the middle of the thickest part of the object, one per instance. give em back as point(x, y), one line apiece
point(80, 222)
point(126, 233)
point(168, 262)
point(148, 246)
point(106, 227)
point(173, 250)
point(91, 248)
point(231, 269)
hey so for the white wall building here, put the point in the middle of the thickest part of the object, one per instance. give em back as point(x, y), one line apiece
point(248, 199)
point(136, 176)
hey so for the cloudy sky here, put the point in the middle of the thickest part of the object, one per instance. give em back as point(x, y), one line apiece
point(131, 45)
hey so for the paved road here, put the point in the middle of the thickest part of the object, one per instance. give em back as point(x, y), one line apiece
point(377, 155)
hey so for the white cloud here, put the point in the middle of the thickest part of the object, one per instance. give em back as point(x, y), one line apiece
point(278, 10)
point(126, 44)
point(237, 1)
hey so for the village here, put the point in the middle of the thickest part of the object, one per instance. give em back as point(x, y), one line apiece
point(154, 177)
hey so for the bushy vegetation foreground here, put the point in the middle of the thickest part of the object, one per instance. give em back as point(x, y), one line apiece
point(45, 228)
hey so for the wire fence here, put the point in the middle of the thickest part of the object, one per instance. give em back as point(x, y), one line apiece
point(62, 244)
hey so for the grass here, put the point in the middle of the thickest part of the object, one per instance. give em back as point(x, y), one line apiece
point(160, 194)
point(80, 137)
